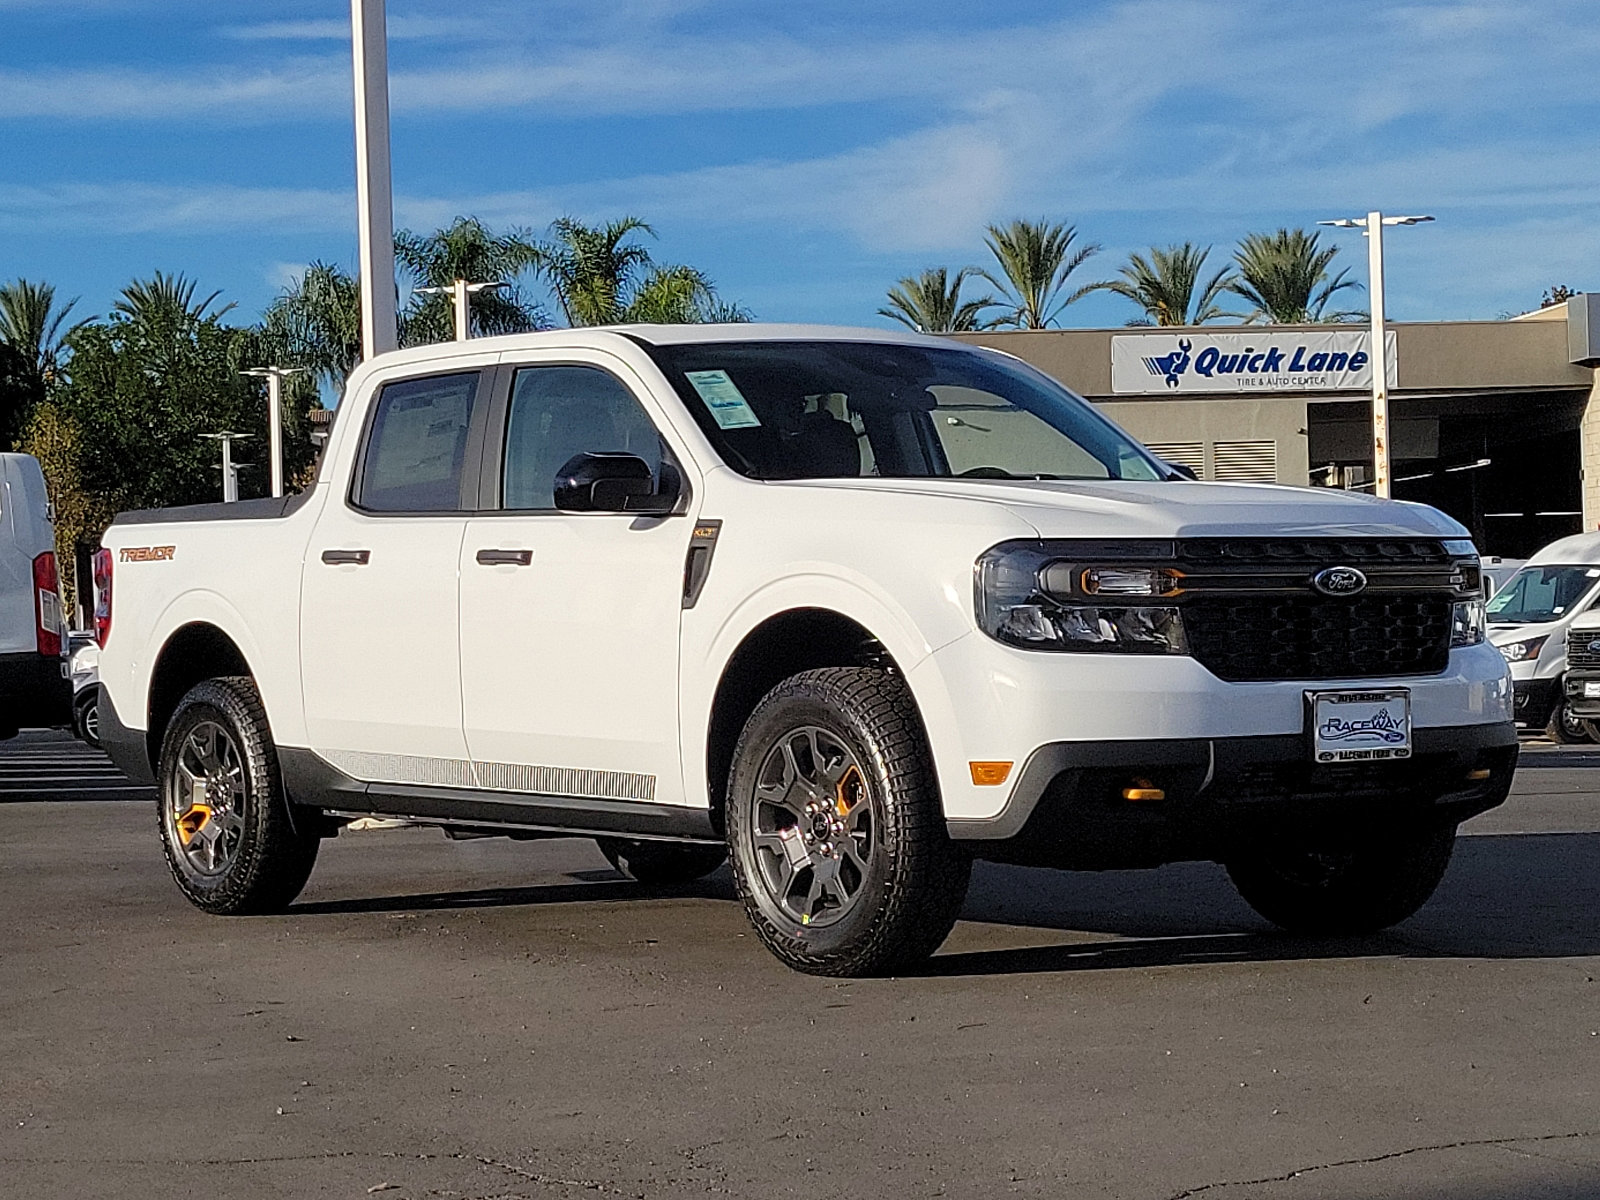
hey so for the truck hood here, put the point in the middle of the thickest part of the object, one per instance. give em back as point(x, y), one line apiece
point(1118, 508)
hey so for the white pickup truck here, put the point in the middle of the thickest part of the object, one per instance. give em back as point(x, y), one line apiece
point(847, 608)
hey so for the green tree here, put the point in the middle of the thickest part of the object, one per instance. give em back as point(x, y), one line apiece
point(931, 302)
point(601, 278)
point(1036, 259)
point(1284, 275)
point(1164, 286)
point(466, 249)
point(20, 393)
point(53, 437)
point(144, 387)
point(315, 323)
point(33, 325)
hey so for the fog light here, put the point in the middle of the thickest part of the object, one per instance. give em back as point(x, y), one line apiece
point(1477, 774)
point(1143, 789)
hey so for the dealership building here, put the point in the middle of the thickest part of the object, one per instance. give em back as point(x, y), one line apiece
point(1495, 422)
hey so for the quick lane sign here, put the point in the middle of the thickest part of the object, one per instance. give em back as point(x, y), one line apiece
point(1258, 361)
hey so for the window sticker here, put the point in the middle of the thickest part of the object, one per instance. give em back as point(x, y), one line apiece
point(728, 406)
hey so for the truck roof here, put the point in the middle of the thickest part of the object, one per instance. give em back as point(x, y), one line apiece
point(1581, 549)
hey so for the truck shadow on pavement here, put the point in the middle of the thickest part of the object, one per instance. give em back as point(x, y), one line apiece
point(1505, 896)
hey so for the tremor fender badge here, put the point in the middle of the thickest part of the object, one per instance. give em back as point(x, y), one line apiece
point(146, 553)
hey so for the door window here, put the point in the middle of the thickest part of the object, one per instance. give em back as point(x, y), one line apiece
point(417, 447)
point(558, 412)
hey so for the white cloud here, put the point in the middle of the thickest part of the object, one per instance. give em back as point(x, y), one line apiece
point(400, 29)
point(133, 207)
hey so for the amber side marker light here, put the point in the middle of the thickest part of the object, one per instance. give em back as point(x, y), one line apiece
point(1143, 789)
point(990, 774)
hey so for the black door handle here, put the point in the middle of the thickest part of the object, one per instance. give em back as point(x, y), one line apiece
point(505, 558)
point(336, 558)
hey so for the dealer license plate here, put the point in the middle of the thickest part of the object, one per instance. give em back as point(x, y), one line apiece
point(1361, 726)
point(1591, 689)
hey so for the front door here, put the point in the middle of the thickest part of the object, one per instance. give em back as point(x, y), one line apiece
point(380, 618)
point(569, 621)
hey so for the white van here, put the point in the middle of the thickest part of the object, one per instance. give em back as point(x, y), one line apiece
point(1528, 620)
point(33, 686)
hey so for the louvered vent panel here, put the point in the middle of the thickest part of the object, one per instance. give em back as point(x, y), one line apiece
point(1246, 462)
point(1181, 454)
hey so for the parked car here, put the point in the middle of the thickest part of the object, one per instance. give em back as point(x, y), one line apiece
point(1528, 621)
point(1582, 682)
point(846, 608)
point(33, 686)
point(84, 670)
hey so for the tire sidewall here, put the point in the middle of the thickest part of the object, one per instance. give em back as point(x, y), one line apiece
point(793, 705)
point(216, 703)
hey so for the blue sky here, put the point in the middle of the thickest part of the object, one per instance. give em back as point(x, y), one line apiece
point(808, 155)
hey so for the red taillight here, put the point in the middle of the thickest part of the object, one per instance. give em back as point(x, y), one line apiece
point(102, 596)
point(47, 605)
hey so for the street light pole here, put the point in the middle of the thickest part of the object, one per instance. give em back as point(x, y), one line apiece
point(1373, 224)
point(230, 473)
point(374, 195)
point(275, 377)
point(459, 291)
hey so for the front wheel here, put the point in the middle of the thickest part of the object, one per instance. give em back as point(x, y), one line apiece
point(1345, 886)
point(836, 832)
point(1565, 728)
point(225, 824)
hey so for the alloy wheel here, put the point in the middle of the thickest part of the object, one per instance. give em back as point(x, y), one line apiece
point(206, 798)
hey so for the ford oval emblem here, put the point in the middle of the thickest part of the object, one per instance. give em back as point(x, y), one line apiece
point(1594, 647)
point(1339, 581)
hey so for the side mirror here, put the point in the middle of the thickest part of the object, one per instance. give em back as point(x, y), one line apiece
point(1179, 471)
point(617, 483)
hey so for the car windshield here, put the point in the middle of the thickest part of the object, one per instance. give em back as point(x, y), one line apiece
point(1541, 594)
point(832, 410)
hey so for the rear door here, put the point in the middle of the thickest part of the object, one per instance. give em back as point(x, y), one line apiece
point(379, 614)
point(569, 621)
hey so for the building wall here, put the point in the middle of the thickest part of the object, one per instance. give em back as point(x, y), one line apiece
point(1280, 419)
point(1589, 443)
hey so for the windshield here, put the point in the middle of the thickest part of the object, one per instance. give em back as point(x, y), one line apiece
point(1541, 594)
point(834, 410)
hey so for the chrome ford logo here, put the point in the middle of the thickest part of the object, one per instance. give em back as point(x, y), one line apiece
point(1339, 581)
point(1594, 647)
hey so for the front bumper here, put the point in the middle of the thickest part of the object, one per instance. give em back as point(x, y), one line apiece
point(1578, 704)
point(1067, 809)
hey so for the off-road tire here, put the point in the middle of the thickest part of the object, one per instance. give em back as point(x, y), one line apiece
point(662, 864)
point(1360, 886)
point(912, 892)
point(273, 858)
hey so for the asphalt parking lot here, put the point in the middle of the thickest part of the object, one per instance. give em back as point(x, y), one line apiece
point(495, 1019)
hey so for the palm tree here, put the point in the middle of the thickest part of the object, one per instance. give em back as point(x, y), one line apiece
point(166, 301)
point(1285, 276)
point(1163, 285)
point(1036, 258)
point(32, 325)
point(931, 302)
point(600, 278)
point(316, 324)
point(466, 249)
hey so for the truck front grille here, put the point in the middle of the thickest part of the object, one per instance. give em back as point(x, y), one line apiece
point(1579, 656)
point(1271, 637)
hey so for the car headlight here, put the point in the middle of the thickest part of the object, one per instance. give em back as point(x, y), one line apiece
point(1467, 623)
point(1027, 596)
point(1523, 651)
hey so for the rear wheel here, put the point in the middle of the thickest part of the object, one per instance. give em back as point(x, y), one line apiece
point(836, 832)
point(86, 716)
point(1335, 886)
point(225, 824)
point(662, 864)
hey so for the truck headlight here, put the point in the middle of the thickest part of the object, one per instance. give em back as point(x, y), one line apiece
point(1028, 597)
point(1467, 623)
point(1524, 650)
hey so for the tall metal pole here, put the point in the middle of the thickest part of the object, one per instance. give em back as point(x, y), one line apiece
point(1380, 358)
point(374, 196)
point(463, 314)
point(230, 480)
point(275, 377)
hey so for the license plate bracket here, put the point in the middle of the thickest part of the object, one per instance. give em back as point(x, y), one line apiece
point(1366, 725)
